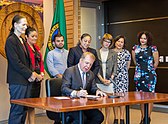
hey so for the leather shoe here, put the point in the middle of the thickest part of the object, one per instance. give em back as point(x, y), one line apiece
point(69, 119)
point(57, 122)
point(115, 121)
point(143, 121)
point(122, 121)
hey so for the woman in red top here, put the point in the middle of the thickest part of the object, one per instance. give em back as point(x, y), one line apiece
point(36, 59)
point(37, 63)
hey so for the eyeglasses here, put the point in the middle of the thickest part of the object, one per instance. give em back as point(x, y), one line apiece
point(108, 41)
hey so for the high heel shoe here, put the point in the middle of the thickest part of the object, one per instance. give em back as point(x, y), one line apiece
point(149, 120)
point(115, 121)
point(122, 121)
point(143, 121)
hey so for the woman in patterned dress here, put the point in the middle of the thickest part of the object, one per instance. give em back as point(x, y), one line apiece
point(121, 79)
point(146, 60)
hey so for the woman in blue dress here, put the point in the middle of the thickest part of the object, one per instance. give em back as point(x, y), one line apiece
point(146, 60)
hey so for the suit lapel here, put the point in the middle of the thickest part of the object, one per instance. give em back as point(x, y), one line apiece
point(110, 54)
point(98, 54)
point(78, 76)
point(21, 45)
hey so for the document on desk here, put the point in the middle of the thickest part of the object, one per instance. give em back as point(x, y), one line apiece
point(92, 96)
point(62, 97)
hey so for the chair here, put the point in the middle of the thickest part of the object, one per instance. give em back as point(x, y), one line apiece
point(53, 88)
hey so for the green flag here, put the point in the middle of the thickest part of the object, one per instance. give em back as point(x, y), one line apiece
point(58, 26)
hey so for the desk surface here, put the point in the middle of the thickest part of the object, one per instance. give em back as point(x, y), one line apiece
point(56, 105)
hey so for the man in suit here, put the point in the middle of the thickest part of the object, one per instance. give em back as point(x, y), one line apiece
point(78, 81)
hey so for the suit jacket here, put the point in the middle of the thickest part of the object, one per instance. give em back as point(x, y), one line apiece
point(111, 64)
point(75, 54)
point(72, 81)
point(19, 64)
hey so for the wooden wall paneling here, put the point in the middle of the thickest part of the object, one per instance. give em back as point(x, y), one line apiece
point(71, 45)
point(70, 35)
point(76, 21)
point(71, 41)
point(69, 13)
point(68, 3)
point(69, 27)
point(79, 21)
point(70, 17)
point(69, 10)
point(70, 31)
point(69, 22)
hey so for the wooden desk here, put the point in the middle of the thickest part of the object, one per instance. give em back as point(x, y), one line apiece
point(129, 98)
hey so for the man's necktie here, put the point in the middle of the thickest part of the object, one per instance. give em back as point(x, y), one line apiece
point(24, 48)
point(23, 45)
point(83, 79)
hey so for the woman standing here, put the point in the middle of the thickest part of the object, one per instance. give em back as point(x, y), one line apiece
point(121, 79)
point(108, 68)
point(36, 59)
point(19, 72)
point(76, 52)
point(146, 60)
point(37, 64)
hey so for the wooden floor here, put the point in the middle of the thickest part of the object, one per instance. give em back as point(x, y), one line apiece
point(157, 118)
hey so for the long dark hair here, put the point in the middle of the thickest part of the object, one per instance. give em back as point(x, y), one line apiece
point(83, 36)
point(29, 29)
point(148, 36)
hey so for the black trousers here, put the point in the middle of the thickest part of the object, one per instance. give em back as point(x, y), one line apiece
point(93, 116)
point(35, 89)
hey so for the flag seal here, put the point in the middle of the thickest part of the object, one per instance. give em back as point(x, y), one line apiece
point(54, 30)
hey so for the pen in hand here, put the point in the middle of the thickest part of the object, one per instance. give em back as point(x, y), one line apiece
point(82, 92)
point(81, 88)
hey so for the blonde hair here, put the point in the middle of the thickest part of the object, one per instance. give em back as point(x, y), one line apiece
point(88, 54)
point(107, 36)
